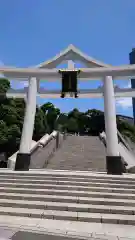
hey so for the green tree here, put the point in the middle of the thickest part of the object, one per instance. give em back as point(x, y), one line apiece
point(126, 129)
point(47, 106)
point(72, 125)
point(52, 114)
point(41, 126)
point(4, 85)
point(3, 133)
point(96, 121)
point(61, 123)
point(13, 139)
point(10, 118)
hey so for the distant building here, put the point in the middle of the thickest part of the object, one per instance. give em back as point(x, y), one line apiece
point(130, 120)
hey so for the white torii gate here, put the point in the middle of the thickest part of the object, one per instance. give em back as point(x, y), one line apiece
point(94, 70)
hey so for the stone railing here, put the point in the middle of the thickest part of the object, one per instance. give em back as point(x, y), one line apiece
point(102, 137)
point(45, 150)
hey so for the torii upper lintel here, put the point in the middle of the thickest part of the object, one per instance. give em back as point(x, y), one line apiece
point(72, 53)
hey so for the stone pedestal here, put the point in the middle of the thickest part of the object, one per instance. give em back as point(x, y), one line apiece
point(22, 162)
point(115, 165)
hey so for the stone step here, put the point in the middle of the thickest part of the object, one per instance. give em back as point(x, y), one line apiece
point(76, 193)
point(79, 153)
point(72, 207)
point(14, 187)
point(37, 174)
point(49, 173)
point(67, 215)
point(74, 167)
point(77, 180)
point(67, 195)
point(67, 183)
point(68, 199)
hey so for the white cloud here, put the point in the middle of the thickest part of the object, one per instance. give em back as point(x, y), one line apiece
point(124, 102)
point(18, 84)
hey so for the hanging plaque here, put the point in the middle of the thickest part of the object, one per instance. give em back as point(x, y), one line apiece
point(69, 83)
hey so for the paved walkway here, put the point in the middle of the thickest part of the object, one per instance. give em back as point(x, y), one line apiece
point(21, 235)
point(19, 228)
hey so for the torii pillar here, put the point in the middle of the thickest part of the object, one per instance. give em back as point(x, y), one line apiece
point(113, 159)
point(132, 61)
point(23, 157)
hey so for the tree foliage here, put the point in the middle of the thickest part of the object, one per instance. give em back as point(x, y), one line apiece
point(48, 118)
point(4, 85)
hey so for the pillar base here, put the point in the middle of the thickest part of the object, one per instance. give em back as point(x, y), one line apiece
point(22, 162)
point(115, 165)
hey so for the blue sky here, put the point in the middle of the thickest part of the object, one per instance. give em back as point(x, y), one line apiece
point(35, 30)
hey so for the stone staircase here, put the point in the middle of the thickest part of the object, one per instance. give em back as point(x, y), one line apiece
point(80, 153)
point(65, 195)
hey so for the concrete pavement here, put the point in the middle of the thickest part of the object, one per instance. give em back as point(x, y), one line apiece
point(10, 225)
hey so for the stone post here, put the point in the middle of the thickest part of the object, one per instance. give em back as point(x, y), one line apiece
point(113, 159)
point(23, 157)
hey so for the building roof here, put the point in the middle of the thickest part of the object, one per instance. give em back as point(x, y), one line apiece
point(72, 53)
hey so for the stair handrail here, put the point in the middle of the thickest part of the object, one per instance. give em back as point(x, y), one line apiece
point(102, 137)
point(44, 141)
point(59, 137)
point(123, 140)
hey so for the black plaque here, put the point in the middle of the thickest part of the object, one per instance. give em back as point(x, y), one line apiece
point(69, 83)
